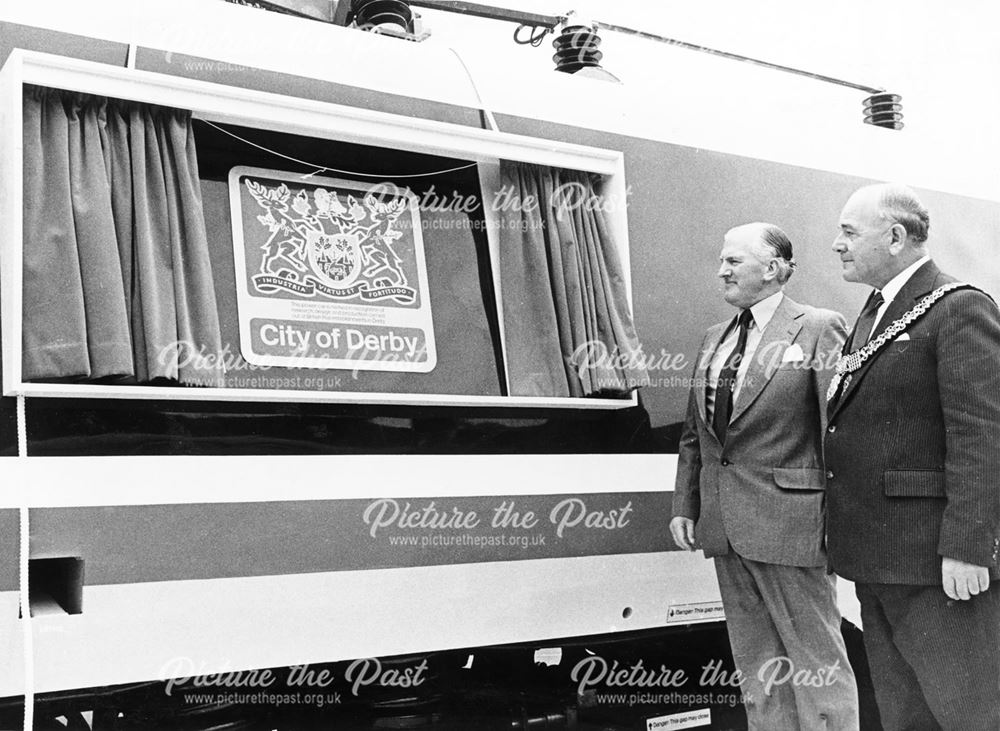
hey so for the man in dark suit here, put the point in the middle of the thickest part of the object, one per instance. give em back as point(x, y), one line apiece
point(750, 488)
point(913, 453)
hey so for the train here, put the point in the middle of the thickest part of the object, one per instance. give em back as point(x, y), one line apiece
point(374, 497)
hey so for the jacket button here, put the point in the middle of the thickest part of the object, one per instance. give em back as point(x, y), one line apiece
point(832, 428)
point(725, 462)
point(829, 474)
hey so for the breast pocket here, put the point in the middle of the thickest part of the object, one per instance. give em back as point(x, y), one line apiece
point(912, 347)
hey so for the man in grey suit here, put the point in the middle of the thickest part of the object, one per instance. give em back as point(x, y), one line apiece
point(750, 488)
point(913, 449)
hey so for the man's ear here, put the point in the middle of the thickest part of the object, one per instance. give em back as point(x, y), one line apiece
point(771, 272)
point(897, 242)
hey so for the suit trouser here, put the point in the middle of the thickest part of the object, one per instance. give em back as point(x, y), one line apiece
point(784, 629)
point(935, 661)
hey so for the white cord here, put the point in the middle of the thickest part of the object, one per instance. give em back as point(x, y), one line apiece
point(490, 120)
point(28, 637)
point(323, 168)
point(22, 429)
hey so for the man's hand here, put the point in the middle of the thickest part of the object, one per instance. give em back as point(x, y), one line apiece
point(682, 529)
point(960, 580)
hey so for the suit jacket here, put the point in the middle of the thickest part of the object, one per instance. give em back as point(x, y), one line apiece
point(913, 444)
point(762, 494)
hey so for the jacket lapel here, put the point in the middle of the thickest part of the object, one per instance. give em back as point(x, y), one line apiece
point(783, 327)
point(921, 283)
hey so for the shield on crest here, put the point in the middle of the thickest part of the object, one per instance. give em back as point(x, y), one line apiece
point(335, 258)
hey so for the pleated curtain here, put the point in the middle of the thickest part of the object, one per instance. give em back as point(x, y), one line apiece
point(568, 327)
point(117, 277)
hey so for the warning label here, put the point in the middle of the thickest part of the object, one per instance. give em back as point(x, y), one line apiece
point(695, 612)
point(689, 719)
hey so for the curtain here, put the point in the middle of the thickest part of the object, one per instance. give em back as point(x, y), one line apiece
point(117, 277)
point(568, 327)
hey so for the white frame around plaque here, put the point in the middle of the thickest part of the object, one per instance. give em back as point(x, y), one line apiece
point(275, 112)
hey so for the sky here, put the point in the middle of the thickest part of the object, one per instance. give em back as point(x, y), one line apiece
point(942, 51)
point(943, 58)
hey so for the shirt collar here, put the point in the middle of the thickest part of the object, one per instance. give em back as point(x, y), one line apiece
point(764, 310)
point(892, 287)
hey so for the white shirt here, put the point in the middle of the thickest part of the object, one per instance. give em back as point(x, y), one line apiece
point(762, 313)
point(891, 289)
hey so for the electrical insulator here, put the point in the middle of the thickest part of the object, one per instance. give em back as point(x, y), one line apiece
point(576, 48)
point(394, 14)
point(884, 110)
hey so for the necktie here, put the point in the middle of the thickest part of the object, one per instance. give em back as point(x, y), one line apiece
point(863, 330)
point(727, 380)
